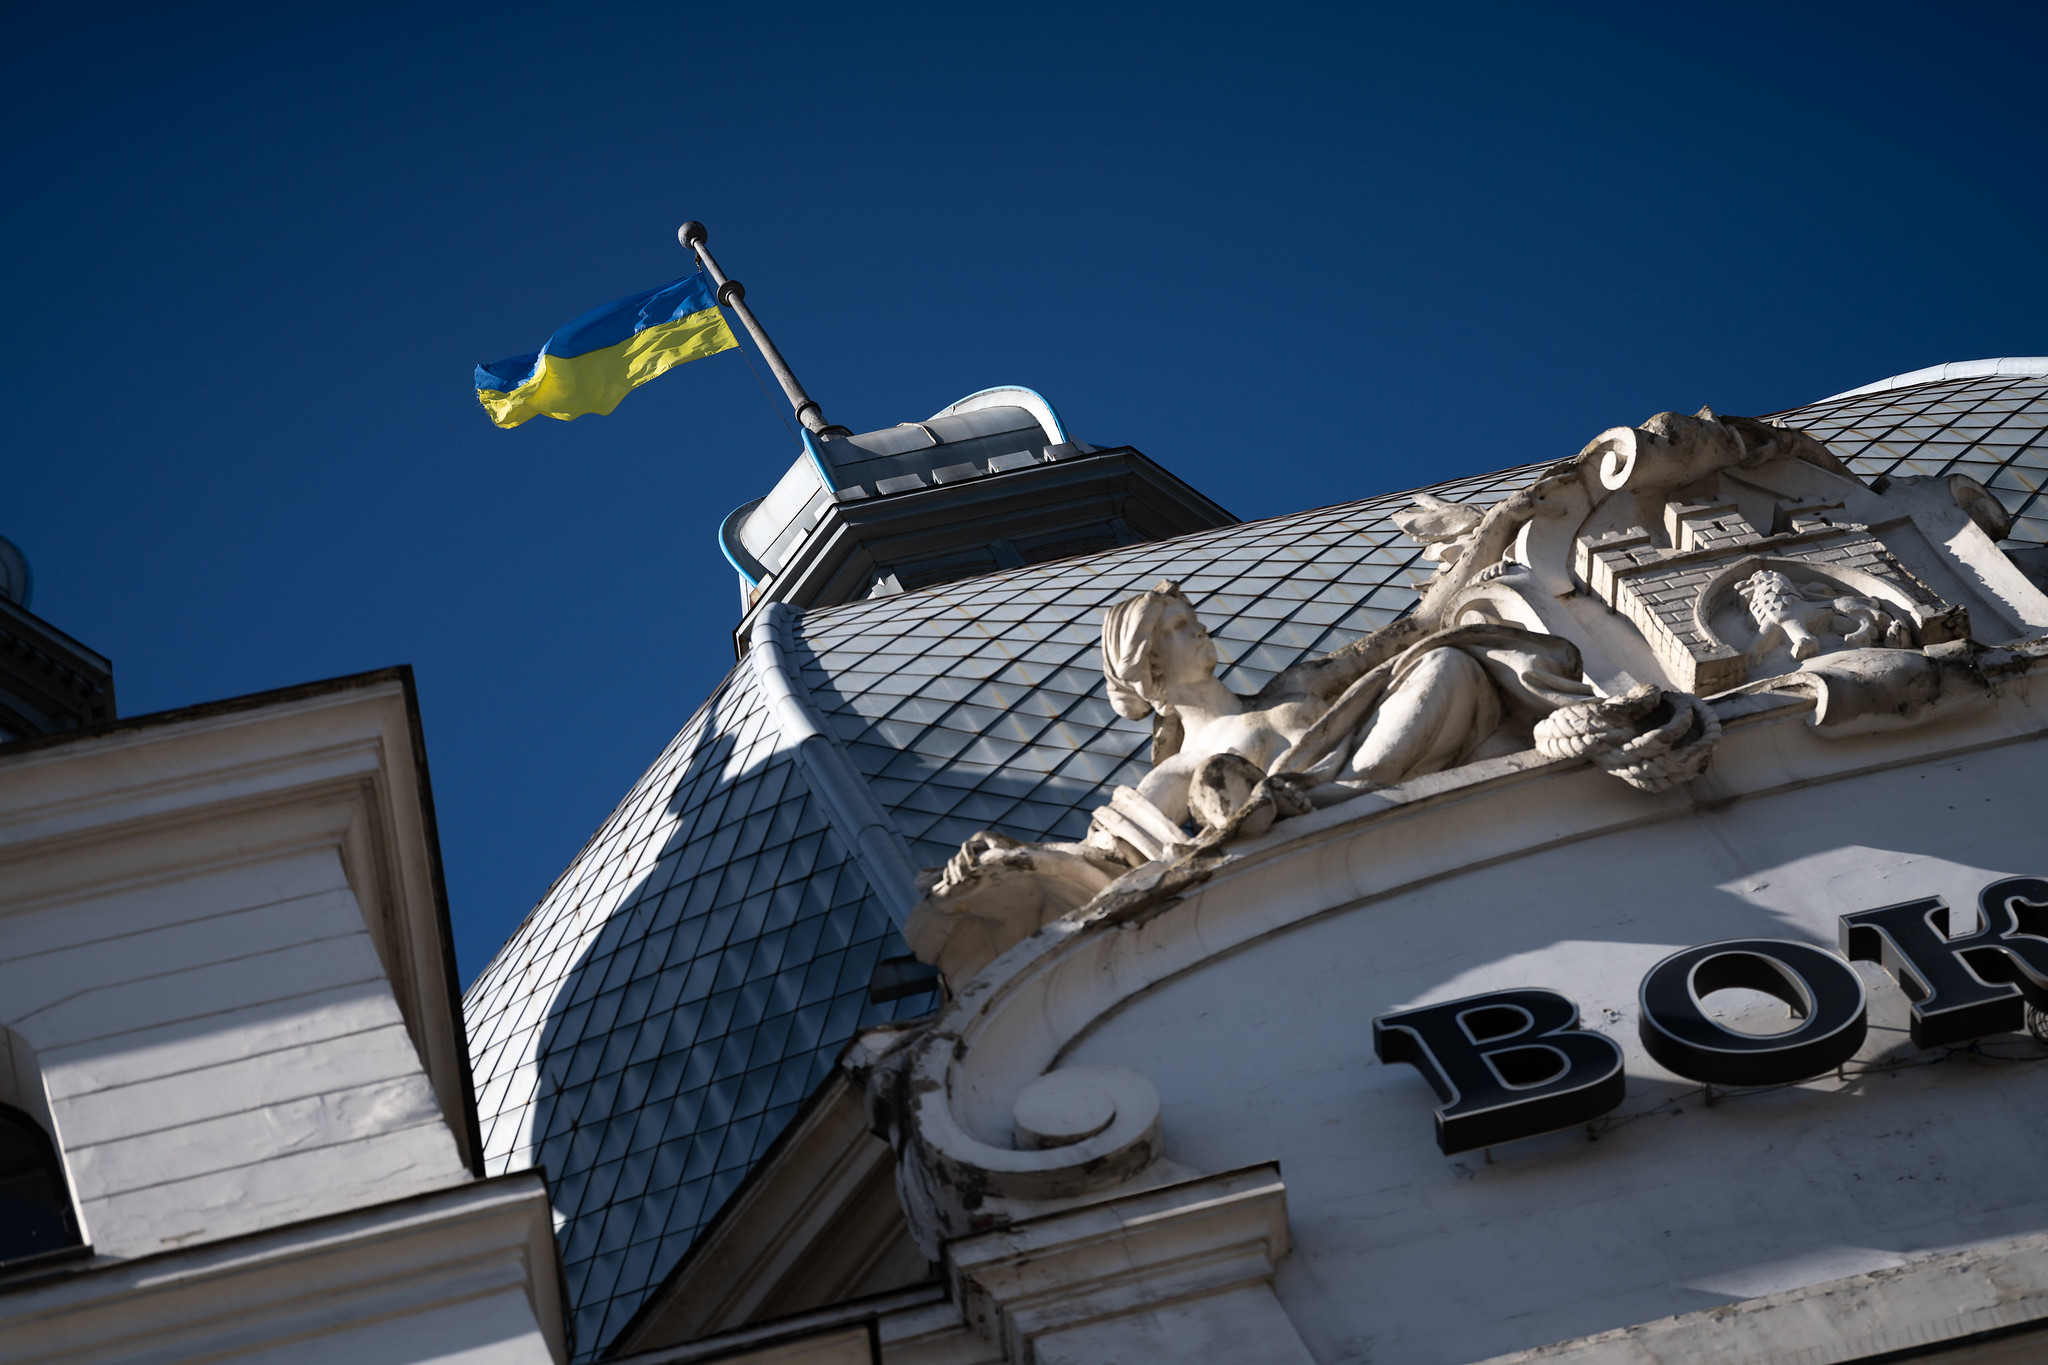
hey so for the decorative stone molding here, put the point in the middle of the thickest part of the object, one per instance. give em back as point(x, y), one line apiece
point(1869, 691)
point(1800, 615)
point(1676, 514)
point(475, 1262)
point(1070, 1133)
point(1180, 1272)
point(1951, 1303)
point(1644, 737)
point(305, 813)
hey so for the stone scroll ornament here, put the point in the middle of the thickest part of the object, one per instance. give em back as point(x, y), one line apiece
point(1074, 1131)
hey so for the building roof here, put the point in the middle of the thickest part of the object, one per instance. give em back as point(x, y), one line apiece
point(2024, 366)
point(660, 1016)
point(990, 482)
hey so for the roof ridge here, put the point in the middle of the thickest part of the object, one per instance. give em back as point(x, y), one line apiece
point(2016, 366)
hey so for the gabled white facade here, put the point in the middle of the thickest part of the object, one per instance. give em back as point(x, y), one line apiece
point(227, 989)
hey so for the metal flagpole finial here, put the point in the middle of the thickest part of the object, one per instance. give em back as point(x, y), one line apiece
point(733, 295)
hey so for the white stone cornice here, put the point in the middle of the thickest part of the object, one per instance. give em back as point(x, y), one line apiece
point(122, 859)
point(1930, 1308)
point(1178, 1271)
point(195, 817)
point(307, 1287)
point(56, 794)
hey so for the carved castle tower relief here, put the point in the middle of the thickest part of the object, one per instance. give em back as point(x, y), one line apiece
point(1703, 553)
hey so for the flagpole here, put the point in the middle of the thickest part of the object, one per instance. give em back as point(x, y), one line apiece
point(733, 295)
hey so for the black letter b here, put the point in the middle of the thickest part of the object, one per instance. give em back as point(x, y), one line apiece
point(1506, 1065)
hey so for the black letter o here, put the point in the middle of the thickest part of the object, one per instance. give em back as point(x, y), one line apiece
point(1814, 983)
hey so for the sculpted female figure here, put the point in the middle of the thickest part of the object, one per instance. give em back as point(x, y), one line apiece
point(1433, 706)
point(1410, 698)
point(1416, 696)
point(1323, 731)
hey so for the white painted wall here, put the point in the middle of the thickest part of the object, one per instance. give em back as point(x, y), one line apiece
point(466, 1274)
point(1403, 1254)
point(220, 1041)
point(222, 1053)
point(223, 967)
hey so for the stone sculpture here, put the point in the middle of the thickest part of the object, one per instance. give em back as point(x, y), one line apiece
point(1583, 616)
point(1577, 621)
point(1401, 703)
point(1332, 727)
point(1648, 738)
point(1801, 615)
point(997, 890)
point(1226, 766)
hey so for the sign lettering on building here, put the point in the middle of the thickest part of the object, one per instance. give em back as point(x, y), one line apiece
point(1515, 1063)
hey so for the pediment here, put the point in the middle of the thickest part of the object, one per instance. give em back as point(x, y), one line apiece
point(817, 1222)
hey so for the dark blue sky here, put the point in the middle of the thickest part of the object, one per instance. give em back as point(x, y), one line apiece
point(1299, 254)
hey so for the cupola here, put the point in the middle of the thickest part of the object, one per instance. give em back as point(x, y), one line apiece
point(48, 681)
point(992, 482)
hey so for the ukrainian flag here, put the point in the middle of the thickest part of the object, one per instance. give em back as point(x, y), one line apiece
point(604, 355)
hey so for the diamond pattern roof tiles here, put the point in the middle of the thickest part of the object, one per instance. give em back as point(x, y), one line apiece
point(663, 1012)
point(660, 1016)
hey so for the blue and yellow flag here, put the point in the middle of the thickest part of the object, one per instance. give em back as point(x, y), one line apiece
point(607, 353)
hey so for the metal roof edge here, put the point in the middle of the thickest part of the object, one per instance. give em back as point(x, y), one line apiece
point(856, 816)
point(2018, 366)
